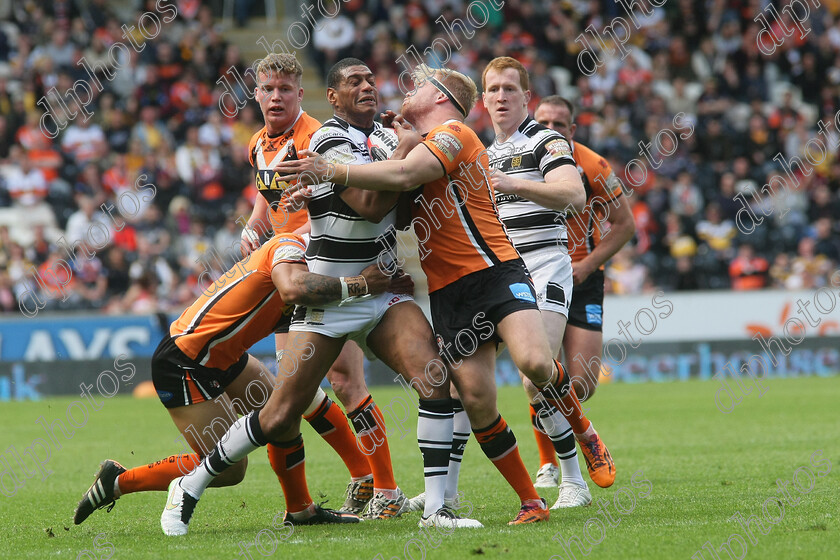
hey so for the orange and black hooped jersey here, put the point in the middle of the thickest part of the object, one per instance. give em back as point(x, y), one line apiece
point(465, 234)
point(265, 152)
point(241, 308)
point(602, 189)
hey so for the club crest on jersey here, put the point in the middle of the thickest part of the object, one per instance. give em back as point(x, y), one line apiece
point(522, 291)
point(515, 162)
point(448, 144)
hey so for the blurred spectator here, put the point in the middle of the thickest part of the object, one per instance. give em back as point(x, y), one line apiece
point(88, 223)
point(625, 275)
point(827, 242)
point(27, 185)
point(686, 199)
point(747, 271)
point(83, 141)
point(717, 233)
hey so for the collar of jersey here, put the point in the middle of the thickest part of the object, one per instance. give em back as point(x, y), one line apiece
point(344, 123)
point(524, 124)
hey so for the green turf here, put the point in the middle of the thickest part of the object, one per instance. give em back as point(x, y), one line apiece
point(703, 467)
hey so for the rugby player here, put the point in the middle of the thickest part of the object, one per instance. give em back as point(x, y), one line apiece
point(350, 228)
point(479, 288)
point(205, 377)
point(289, 129)
point(589, 250)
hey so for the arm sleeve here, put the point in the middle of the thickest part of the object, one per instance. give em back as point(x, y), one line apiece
point(553, 151)
point(447, 143)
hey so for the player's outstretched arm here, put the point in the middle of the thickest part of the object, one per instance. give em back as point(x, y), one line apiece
point(297, 285)
point(374, 206)
point(562, 189)
point(420, 166)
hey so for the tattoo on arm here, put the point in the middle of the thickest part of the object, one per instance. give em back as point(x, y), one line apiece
point(317, 288)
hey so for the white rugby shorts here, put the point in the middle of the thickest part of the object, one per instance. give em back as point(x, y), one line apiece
point(551, 271)
point(355, 320)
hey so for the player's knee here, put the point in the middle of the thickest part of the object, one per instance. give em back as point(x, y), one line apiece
point(475, 400)
point(535, 368)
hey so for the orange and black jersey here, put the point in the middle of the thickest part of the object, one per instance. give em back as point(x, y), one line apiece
point(265, 152)
point(465, 233)
point(602, 189)
point(241, 308)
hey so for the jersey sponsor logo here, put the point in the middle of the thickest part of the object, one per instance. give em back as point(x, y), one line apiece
point(288, 253)
point(455, 127)
point(448, 144)
point(522, 291)
point(594, 314)
point(341, 154)
point(269, 180)
point(504, 198)
point(559, 148)
point(165, 396)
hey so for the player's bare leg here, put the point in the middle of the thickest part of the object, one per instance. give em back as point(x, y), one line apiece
point(476, 385)
point(303, 365)
point(329, 421)
point(404, 341)
point(530, 351)
point(582, 348)
point(201, 425)
point(347, 377)
point(551, 425)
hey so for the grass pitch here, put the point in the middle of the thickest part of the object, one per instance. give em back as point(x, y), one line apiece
point(695, 468)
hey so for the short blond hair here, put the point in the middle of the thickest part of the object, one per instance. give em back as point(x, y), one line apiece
point(462, 87)
point(280, 63)
point(502, 63)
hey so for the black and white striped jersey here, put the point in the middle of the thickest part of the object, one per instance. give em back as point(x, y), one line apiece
point(342, 242)
point(530, 153)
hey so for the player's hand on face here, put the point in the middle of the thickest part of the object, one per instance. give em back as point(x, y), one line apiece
point(387, 118)
point(377, 282)
point(250, 241)
point(401, 283)
point(406, 134)
point(501, 182)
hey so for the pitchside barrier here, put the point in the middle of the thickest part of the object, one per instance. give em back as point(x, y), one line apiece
point(649, 337)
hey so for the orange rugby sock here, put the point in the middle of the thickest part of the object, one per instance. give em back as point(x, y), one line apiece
point(157, 475)
point(287, 460)
point(330, 423)
point(568, 405)
point(370, 430)
point(499, 444)
point(544, 445)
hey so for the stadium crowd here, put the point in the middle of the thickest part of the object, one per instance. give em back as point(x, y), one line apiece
point(156, 128)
